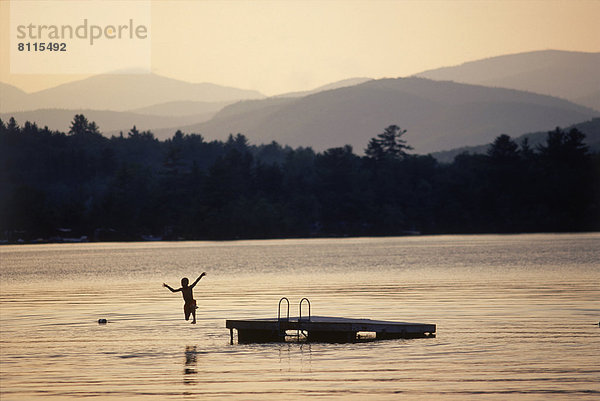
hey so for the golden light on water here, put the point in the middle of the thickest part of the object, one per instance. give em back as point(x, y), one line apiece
point(515, 314)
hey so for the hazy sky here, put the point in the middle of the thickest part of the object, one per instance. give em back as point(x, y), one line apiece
point(281, 46)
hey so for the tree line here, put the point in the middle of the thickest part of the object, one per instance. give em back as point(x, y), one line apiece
point(133, 186)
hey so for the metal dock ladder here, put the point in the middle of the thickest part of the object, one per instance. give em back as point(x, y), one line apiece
point(283, 323)
point(300, 331)
point(281, 332)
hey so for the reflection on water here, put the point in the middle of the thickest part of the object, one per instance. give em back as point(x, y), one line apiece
point(295, 357)
point(190, 364)
point(517, 318)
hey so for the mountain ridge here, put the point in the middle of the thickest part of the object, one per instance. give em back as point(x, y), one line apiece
point(435, 113)
point(333, 85)
point(120, 93)
point(567, 74)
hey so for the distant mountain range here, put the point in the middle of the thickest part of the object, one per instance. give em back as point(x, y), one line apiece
point(334, 85)
point(118, 93)
point(510, 94)
point(574, 76)
point(437, 114)
point(163, 115)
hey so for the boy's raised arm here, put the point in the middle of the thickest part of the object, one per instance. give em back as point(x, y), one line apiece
point(169, 287)
point(198, 279)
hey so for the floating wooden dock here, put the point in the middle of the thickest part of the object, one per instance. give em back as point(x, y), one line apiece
point(323, 328)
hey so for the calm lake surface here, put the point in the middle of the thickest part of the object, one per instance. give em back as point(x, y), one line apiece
point(517, 318)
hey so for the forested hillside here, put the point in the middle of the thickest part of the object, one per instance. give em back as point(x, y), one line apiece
point(55, 185)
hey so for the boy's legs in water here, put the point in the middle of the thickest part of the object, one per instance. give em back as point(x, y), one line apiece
point(190, 309)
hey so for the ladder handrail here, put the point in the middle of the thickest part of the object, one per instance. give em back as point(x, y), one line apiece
point(300, 309)
point(279, 309)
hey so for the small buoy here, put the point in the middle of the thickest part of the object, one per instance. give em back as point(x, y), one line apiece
point(102, 321)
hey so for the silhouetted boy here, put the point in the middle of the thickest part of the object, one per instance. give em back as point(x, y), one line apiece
point(189, 307)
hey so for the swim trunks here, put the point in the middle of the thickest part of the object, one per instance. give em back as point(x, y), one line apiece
point(189, 307)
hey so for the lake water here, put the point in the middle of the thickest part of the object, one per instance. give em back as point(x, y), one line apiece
point(517, 318)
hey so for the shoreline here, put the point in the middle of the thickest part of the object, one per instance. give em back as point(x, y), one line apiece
point(86, 240)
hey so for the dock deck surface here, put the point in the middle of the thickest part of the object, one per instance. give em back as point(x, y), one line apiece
point(325, 328)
